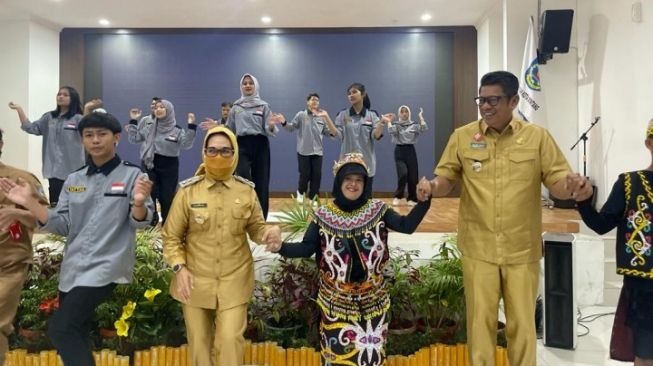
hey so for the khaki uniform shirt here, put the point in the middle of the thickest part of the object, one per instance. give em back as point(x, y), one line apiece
point(500, 218)
point(12, 252)
point(207, 229)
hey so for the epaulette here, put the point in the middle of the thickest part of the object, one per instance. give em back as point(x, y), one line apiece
point(190, 181)
point(243, 180)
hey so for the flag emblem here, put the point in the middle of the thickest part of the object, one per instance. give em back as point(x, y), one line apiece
point(532, 76)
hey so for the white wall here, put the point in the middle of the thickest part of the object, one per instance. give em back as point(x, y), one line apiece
point(616, 83)
point(30, 78)
point(501, 38)
point(14, 38)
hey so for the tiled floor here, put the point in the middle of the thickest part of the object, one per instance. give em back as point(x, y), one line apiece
point(591, 349)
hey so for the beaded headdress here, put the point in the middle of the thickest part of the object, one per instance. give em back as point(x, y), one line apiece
point(349, 158)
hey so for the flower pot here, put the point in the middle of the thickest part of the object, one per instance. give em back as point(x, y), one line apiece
point(108, 333)
point(283, 335)
point(30, 334)
point(402, 327)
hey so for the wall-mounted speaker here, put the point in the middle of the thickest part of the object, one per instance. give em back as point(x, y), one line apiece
point(560, 321)
point(555, 31)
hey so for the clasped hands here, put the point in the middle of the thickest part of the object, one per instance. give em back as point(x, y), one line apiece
point(272, 239)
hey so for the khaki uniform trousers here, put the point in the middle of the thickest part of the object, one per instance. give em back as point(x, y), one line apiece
point(485, 283)
point(11, 283)
point(215, 336)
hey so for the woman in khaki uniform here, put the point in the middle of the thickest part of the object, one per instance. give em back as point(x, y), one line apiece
point(205, 242)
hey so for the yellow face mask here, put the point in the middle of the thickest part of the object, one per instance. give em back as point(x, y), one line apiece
point(218, 167)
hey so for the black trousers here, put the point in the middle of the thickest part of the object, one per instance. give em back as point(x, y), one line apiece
point(54, 190)
point(70, 326)
point(254, 165)
point(407, 173)
point(165, 176)
point(310, 170)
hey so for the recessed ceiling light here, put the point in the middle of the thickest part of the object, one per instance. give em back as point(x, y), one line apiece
point(266, 19)
point(426, 17)
point(104, 22)
point(122, 31)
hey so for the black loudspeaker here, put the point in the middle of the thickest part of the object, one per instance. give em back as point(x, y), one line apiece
point(555, 31)
point(560, 319)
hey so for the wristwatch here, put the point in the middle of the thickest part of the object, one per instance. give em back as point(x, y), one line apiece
point(177, 267)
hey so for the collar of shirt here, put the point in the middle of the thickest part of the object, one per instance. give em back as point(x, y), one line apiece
point(105, 169)
point(309, 112)
point(210, 182)
point(513, 124)
point(352, 112)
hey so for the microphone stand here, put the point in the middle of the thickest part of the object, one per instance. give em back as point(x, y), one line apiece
point(584, 138)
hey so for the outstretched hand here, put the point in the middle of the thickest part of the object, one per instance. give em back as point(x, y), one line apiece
point(19, 192)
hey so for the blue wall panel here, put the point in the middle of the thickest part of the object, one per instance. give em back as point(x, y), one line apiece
point(197, 71)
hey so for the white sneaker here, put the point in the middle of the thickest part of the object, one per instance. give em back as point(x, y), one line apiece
point(299, 197)
point(396, 202)
point(411, 203)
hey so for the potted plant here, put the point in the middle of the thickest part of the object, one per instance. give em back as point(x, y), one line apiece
point(142, 312)
point(295, 217)
point(284, 307)
point(39, 297)
point(400, 279)
point(439, 294)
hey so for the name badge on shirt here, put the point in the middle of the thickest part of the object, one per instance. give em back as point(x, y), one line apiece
point(70, 126)
point(172, 138)
point(478, 145)
point(199, 205)
point(76, 189)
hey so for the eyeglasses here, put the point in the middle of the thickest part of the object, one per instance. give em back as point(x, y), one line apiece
point(225, 152)
point(491, 100)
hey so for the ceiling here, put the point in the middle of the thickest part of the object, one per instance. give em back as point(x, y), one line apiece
point(246, 13)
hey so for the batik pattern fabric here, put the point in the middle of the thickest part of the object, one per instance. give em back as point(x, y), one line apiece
point(353, 297)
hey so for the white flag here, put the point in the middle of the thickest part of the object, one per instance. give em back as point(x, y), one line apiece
point(531, 103)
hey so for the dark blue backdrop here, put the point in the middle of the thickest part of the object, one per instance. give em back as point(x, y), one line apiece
point(197, 71)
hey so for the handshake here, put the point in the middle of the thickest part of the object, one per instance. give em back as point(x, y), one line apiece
point(578, 186)
point(272, 239)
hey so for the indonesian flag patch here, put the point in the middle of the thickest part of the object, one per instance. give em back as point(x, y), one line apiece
point(117, 187)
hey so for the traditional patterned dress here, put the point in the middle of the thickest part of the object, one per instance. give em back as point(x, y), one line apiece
point(630, 208)
point(351, 251)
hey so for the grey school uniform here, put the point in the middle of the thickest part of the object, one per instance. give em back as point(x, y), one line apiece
point(310, 130)
point(250, 121)
point(356, 132)
point(169, 144)
point(405, 133)
point(94, 213)
point(62, 151)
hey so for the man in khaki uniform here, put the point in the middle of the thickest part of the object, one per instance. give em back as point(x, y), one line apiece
point(205, 242)
point(16, 229)
point(502, 163)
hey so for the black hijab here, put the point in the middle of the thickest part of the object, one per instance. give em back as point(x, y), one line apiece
point(339, 198)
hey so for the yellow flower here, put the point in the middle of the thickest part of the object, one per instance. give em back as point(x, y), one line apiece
point(128, 310)
point(122, 327)
point(151, 294)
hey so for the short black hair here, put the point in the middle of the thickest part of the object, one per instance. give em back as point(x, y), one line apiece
point(227, 104)
point(156, 99)
point(312, 95)
point(99, 120)
point(507, 80)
